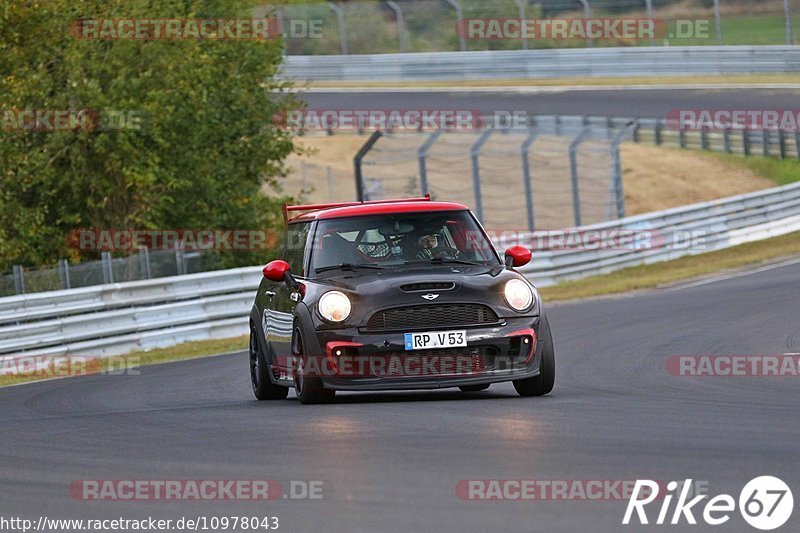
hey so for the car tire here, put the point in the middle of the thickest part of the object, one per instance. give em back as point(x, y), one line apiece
point(309, 390)
point(543, 383)
point(474, 388)
point(263, 387)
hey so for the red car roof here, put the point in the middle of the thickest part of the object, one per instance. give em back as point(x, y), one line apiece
point(379, 209)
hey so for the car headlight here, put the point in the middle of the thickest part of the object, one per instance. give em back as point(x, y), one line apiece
point(334, 306)
point(518, 294)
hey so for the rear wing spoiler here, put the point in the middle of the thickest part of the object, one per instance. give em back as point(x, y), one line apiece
point(316, 207)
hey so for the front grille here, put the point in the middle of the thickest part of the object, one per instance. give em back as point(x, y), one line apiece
point(428, 286)
point(432, 316)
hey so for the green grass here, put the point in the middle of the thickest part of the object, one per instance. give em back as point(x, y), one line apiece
point(781, 171)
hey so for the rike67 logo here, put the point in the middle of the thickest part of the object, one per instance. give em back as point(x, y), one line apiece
point(765, 503)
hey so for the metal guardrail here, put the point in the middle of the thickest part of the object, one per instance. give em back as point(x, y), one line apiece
point(117, 318)
point(556, 63)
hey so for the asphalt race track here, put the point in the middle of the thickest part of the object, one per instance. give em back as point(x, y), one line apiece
point(391, 462)
point(649, 103)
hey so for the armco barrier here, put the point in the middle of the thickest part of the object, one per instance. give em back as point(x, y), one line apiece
point(140, 315)
point(557, 63)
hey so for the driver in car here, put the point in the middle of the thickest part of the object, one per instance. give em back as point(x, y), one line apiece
point(430, 247)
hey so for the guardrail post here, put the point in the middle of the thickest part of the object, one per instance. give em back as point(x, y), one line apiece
point(726, 139)
point(401, 24)
point(422, 153)
point(636, 133)
point(19, 279)
point(659, 127)
point(557, 121)
point(108, 272)
point(704, 138)
point(573, 167)
point(144, 262)
point(462, 42)
point(782, 143)
point(476, 172)
point(682, 137)
point(362, 152)
point(63, 271)
point(342, 28)
point(765, 142)
point(526, 176)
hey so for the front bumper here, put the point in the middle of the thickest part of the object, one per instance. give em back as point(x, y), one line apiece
point(359, 361)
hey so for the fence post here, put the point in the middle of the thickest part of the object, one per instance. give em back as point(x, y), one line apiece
point(704, 138)
point(180, 261)
point(342, 28)
point(476, 172)
point(797, 143)
point(782, 143)
point(659, 127)
point(522, 4)
point(787, 14)
point(587, 14)
point(765, 142)
point(726, 139)
point(619, 195)
point(649, 8)
point(746, 141)
point(682, 137)
point(573, 167)
point(144, 262)
point(362, 152)
point(108, 272)
point(422, 153)
point(526, 176)
point(462, 42)
point(401, 24)
point(718, 22)
point(63, 270)
point(19, 279)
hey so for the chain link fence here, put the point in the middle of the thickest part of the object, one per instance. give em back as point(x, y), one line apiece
point(562, 172)
point(390, 26)
point(137, 266)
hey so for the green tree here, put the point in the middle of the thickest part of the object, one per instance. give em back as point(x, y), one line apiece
point(206, 152)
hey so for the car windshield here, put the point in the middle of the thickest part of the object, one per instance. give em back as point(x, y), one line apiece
point(438, 238)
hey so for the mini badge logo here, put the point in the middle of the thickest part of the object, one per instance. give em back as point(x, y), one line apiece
point(430, 296)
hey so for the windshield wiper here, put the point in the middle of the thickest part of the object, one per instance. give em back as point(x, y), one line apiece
point(441, 260)
point(347, 266)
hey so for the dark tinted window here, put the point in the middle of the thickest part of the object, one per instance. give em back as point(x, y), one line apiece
point(296, 246)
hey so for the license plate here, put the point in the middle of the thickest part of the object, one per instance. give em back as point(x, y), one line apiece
point(436, 339)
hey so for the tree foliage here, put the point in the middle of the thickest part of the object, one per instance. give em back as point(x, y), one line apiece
point(206, 148)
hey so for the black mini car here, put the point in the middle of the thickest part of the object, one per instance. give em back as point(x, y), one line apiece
point(397, 294)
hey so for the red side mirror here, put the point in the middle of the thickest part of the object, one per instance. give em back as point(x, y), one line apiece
point(518, 256)
point(276, 270)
